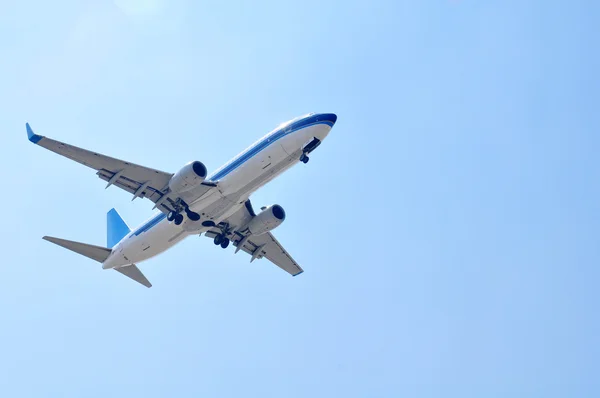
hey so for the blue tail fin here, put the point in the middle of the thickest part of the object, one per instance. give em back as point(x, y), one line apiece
point(116, 229)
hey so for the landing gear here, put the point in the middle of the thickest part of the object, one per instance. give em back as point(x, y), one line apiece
point(221, 240)
point(178, 219)
point(171, 216)
point(308, 148)
point(174, 216)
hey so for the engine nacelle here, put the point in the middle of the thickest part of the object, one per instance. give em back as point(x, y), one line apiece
point(189, 177)
point(267, 220)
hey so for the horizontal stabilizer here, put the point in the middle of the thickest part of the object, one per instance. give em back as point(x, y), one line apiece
point(134, 273)
point(97, 253)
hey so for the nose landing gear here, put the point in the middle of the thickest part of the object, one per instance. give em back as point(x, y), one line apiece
point(308, 148)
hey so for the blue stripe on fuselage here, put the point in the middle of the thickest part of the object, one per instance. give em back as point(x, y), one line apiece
point(155, 220)
point(265, 142)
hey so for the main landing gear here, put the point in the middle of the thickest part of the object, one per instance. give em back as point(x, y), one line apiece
point(177, 217)
point(304, 158)
point(221, 240)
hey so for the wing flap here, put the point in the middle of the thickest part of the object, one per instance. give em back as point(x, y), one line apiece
point(279, 256)
point(131, 186)
point(265, 245)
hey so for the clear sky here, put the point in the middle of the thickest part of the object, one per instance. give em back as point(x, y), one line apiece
point(448, 226)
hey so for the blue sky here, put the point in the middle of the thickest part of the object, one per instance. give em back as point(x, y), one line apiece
point(448, 226)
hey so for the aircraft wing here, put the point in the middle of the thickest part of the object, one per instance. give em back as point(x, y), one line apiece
point(259, 246)
point(140, 181)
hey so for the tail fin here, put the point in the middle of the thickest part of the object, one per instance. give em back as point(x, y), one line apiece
point(116, 228)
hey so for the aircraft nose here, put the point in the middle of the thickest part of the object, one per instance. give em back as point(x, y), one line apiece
point(330, 117)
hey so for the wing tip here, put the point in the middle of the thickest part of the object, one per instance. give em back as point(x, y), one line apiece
point(33, 137)
point(298, 273)
point(145, 283)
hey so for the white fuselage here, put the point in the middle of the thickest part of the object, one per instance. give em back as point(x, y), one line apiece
point(235, 181)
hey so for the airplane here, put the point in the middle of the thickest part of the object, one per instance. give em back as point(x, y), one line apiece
point(192, 203)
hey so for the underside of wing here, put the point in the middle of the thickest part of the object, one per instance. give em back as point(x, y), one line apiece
point(104, 165)
point(140, 181)
point(257, 246)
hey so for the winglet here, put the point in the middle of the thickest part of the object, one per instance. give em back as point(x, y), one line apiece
point(33, 137)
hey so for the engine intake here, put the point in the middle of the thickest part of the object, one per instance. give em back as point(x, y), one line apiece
point(267, 220)
point(189, 177)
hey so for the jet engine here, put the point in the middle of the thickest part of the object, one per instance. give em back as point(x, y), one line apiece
point(189, 177)
point(267, 220)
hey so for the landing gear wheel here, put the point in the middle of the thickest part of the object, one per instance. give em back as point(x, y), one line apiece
point(304, 159)
point(218, 239)
point(225, 243)
point(171, 216)
point(178, 219)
